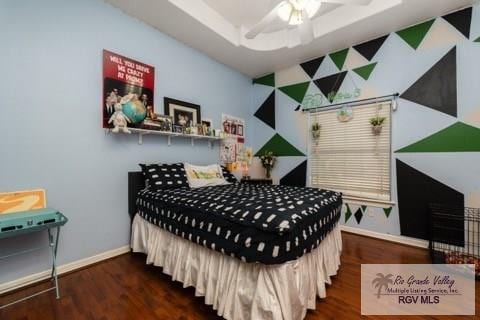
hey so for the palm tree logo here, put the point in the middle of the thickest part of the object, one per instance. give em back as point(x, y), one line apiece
point(382, 281)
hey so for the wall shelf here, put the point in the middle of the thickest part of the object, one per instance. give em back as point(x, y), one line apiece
point(169, 135)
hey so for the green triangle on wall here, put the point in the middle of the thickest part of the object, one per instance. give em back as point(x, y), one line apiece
point(339, 58)
point(365, 71)
point(478, 39)
point(296, 91)
point(415, 34)
point(387, 211)
point(459, 137)
point(280, 147)
point(348, 213)
point(267, 80)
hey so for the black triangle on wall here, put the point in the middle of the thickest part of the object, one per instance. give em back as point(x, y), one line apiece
point(311, 67)
point(416, 191)
point(437, 88)
point(461, 20)
point(329, 85)
point(370, 48)
point(266, 112)
point(297, 177)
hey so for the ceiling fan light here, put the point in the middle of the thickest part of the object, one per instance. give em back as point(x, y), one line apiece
point(312, 7)
point(285, 11)
point(296, 18)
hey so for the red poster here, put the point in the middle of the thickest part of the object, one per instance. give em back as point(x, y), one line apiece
point(125, 77)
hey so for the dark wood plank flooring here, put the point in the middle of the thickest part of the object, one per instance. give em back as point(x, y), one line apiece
point(126, 288)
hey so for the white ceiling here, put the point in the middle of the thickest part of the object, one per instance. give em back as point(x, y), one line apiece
point(216, 27)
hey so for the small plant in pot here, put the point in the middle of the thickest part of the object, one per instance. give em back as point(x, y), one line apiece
point(316, 130)
point(377, 124)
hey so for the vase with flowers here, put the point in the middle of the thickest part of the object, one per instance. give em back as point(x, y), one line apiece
point(268, 160)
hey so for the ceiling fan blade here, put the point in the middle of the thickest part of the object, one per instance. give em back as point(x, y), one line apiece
point(306, 30)
point(262, 24)
point(354, 2)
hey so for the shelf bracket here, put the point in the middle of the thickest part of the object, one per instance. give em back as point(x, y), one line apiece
point(169, 140)
point(140, 138)
point(210, 144)
point(193, 142)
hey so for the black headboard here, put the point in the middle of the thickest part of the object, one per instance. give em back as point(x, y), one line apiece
point(136, 182)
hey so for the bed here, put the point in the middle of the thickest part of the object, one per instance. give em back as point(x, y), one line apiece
point(252, 251)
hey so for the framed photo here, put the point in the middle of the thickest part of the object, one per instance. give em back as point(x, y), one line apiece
point(201, 129)
point(240, 130)
point(159, 122)
point(178, 129)
point(227, 126)
point(183, 113)
point(207, 123)
point(207, 127)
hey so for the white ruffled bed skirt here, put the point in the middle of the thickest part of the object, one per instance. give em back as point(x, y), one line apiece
point(238, 290)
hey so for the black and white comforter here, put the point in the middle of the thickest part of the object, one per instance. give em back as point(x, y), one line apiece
point(255, 223)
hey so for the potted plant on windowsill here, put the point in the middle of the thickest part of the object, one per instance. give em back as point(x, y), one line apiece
point(377, 124)
point(316, 130)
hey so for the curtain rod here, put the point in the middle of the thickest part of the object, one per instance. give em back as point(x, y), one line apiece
point(353, 103)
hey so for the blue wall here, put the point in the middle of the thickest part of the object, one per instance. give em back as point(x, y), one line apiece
point(50, 123)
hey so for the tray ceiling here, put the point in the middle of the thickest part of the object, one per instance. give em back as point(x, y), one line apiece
point(217, 27)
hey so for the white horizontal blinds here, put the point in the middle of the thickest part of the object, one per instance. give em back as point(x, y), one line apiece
point(348, 157)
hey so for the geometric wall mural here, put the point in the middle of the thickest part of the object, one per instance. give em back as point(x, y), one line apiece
point(330, 84)
point(266, 112)
point(415, 34)
point(296, 91)
point(365, 71)
point(387, 211)
point(461, 20)
point(268, 80)
point(370, 48)
point(297, 177)
point(459, 137)
point(339, 58)
point(416, 191)
point(437, 88)
point(348, 212)
point(434, 65)
point(359, 213)
point(280, 147)
point(311, 67)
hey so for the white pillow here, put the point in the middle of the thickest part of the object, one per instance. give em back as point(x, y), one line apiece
point(204, 176)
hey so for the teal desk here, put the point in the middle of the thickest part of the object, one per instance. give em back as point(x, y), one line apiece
point(27, 222)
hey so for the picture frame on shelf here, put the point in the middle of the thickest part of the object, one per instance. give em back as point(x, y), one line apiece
point(200, 129)
point(183, 113)
point(178, 129)
point(207, 127)
point(158, 122)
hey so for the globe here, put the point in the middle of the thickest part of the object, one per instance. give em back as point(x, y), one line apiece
point(135, 111)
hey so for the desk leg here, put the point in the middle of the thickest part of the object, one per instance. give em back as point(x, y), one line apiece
point(54, 246)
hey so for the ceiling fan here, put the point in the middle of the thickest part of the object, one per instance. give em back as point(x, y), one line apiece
point(298, 13)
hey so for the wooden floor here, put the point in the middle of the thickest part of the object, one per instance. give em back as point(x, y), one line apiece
point(126, 288)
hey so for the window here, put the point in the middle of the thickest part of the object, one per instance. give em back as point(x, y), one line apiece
point(348, 157)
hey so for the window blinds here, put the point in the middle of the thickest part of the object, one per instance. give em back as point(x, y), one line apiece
point(348, 157)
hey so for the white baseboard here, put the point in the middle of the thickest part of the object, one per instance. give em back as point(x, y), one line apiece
point(398, 239)
point(33, 278)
